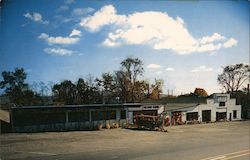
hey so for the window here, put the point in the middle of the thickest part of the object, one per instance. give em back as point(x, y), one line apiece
point(234, 114)
point(192, 116)
point(112, 114)
point(78, 116)
point(123, 114)
point(222, 104)
point(222, 98)
point(104, 115)
point(95, 115)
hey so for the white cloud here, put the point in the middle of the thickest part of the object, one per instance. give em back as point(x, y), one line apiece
point(82, 11)
point(202, 69)
point(214, 37)
point(180, 20)
point(71, 39)
point(63, 8)
point(69, 1)
point(159, 72)
point(209, 47)
point(37, 17)
point(109, 43)
point(229, 43)
point(63, 19)
point(153, 66)
point(58, 51)
point(219, 70)
point(75, 32)
point(156, 29)
point(106, 15)
point(170, 69)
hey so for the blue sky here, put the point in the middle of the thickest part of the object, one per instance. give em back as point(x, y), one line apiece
point(184, 43)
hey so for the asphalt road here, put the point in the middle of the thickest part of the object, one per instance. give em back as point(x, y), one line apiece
point(214, 141)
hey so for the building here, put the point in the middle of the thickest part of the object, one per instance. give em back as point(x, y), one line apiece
point(67, 117)
point(220, 107)
point(4, 121)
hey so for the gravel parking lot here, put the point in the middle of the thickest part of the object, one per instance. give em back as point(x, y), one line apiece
point(230, 140)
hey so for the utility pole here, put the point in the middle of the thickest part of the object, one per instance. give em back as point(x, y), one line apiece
point(248, 87)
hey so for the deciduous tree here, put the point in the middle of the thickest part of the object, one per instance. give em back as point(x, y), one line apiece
point(64, 92)
point(16, 89)
point(156, 89)
point(200, 92)
point(108, 87)
point(128, 77)
point(233, 76)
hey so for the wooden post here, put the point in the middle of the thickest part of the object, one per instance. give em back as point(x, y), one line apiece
point(67, 117)
point(90, 118)
point(170, 119)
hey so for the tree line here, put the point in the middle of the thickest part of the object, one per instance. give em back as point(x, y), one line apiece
point(124, 85)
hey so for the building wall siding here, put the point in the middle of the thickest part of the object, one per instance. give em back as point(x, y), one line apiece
point(213, 105)
point(24, 120)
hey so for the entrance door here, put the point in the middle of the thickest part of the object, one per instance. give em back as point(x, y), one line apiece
point(206, 116)
point(221, 116)
point(176, 118)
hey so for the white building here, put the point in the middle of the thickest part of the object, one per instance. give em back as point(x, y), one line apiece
point(219, 107)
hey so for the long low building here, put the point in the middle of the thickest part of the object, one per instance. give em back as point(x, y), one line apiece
point(67, 117)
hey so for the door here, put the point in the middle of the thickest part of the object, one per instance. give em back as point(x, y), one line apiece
point(206, 116)
point(221, 116)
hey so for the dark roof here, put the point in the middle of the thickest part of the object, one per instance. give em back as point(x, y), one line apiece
point(187, 100)
point(173, 103)
point(73, 106)
point(83, 106)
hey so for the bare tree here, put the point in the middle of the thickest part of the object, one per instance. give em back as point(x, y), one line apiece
point(156, 89)
point(43, 89)
point(132, 68)
point(233, 77)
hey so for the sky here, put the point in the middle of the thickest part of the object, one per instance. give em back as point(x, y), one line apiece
point(184, 43)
